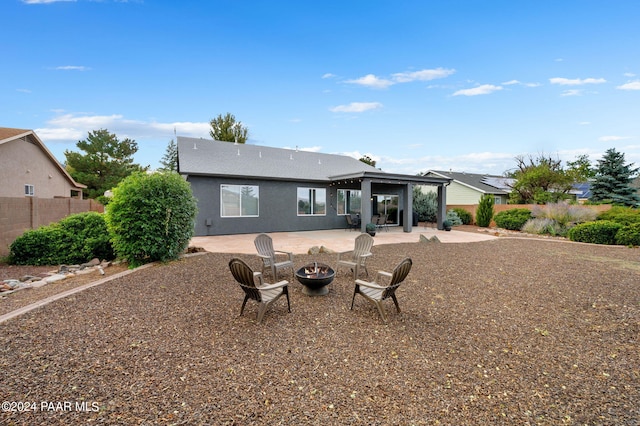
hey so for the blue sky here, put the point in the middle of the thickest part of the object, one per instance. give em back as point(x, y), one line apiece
point(416, 85)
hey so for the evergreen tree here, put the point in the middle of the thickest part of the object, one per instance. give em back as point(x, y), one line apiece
point(368, 160)
point(105, 162)
point(169, 160)
point(226, 128)
point(612, 181)
point(484, 214)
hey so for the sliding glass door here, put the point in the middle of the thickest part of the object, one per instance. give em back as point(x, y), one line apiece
point(387, 205)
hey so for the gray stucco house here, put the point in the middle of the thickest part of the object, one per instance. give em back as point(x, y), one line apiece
point(245, 188)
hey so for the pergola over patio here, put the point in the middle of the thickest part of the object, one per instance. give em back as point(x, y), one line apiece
point(366, 180)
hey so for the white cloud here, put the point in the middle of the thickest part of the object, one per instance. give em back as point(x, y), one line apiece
point(632, 85)
point(23, 90)
point(371, 80)
point(485, 89)
point(576, 81)
point(328, 75)
point(356, 107)
point(572, 92)
point(73, 68)
point(422, 75)
point(584, 123)
point(629, 74)
point(70, 127)
point(612, 138)
point(512, 82)
point(45, 1)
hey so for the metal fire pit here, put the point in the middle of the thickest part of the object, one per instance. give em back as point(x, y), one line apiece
point(315, 277)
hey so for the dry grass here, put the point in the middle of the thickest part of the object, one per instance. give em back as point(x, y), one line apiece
point(510, 331)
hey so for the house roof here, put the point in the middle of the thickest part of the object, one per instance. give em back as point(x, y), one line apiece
point(210, 157)
point(215, 158)
point(582, 190)
point(9, 134)
point(487, 184)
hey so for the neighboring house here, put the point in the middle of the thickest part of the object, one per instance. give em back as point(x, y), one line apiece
point(582, 191)
point(245, 188)
point(468, 188)
point(29, 169)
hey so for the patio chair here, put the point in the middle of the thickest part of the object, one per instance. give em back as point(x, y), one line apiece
point(351, 223)
point(357, 258)
point(375, 292)
point(264, 294)
point(381, 222)
point(269, 256)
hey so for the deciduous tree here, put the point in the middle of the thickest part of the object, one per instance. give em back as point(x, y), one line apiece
point(539, 181)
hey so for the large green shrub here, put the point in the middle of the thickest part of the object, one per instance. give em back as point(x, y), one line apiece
point(425, 204)
point(151, 217)
point(598, 232)
point(77, 238)
point(512, 219)
point(484, 214)
point(629, 235)
point(465, 216)
point(622, 215)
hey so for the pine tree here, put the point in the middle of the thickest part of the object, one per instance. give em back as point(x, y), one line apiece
point(169, 160)
point(612, 181)
point(484, 214)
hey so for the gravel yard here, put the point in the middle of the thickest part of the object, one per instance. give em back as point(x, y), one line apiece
point(509, 331)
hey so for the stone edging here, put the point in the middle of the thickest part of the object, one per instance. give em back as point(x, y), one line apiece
point(64, 294)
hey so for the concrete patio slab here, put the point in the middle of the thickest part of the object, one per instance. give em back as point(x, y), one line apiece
point(339, 240)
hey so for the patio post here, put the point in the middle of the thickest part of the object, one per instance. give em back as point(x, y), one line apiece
point(442, 206)
point(366, 212)
point(407, 214)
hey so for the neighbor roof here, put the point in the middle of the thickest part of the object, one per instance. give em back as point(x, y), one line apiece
point(488, 184)
point(211, 157)
point(8, 134)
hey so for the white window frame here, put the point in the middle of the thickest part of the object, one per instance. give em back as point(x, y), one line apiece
point(240, 208)
point(29, 190)
point(313, 194)
point(345, 207)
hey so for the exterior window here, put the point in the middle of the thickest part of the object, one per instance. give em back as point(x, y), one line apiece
point(349, 201)
point(239, 200)
point(497, 199)
point(312, 201)
point(28, 190)
point(75, 194)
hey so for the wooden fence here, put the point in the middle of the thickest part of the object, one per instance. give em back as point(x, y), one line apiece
point(18, 215)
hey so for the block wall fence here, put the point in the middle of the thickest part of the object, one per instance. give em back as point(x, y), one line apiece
point(18, 215)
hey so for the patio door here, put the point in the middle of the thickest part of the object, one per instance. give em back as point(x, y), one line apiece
point(387, 204)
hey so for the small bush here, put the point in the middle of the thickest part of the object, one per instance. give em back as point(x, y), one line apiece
point(151, 217)
point(465, 216)
point(565, 214)
point(629, 235)
point(77, 238)
point(513, 219)
point(598, 232)
point(453, 218)
point(544, 226)
point(484, 214)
